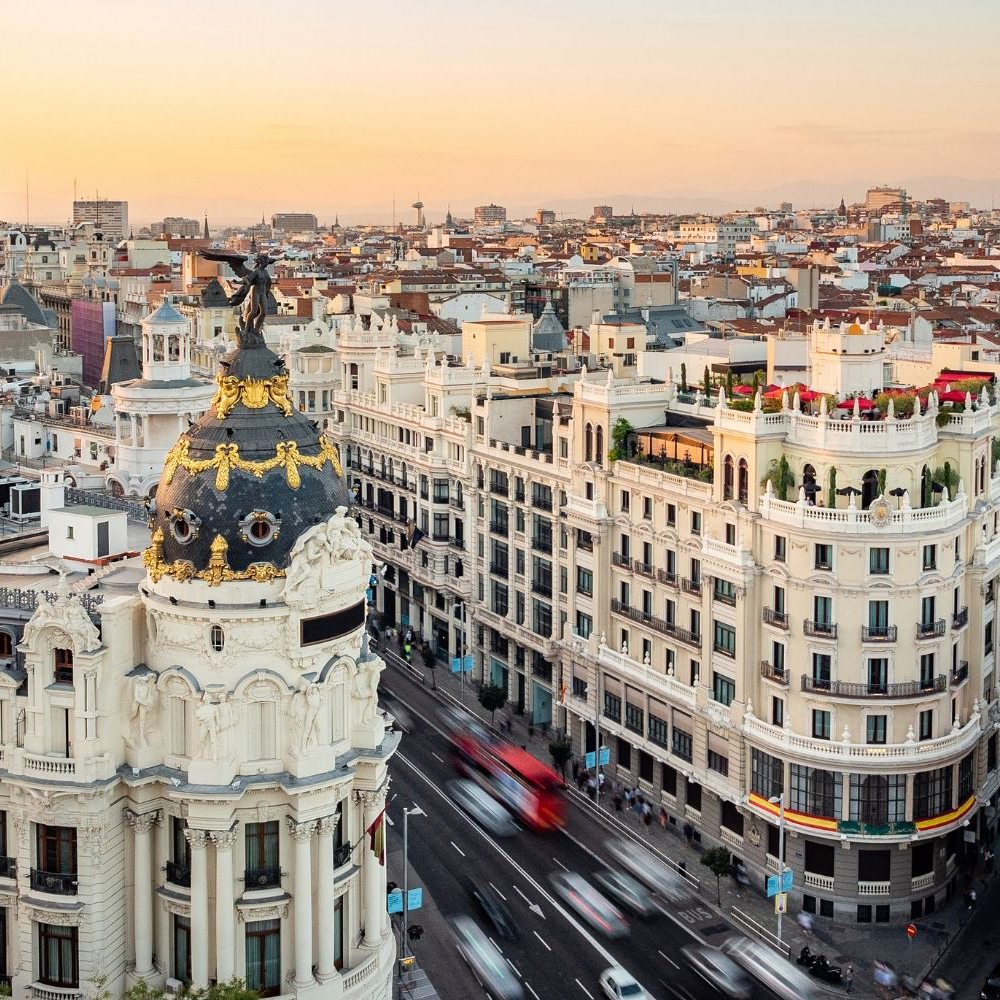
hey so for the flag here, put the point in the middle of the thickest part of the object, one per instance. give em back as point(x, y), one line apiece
point(376, 833)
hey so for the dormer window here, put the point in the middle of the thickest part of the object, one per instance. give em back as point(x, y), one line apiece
point(63, 665)
point(6, 645)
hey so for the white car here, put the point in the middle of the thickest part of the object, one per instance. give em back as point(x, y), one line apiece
point(769, 968)
point(619, 985)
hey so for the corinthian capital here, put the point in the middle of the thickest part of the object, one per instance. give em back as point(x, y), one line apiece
point(327, 826)
point(301, 831)
point(224, 840)
point(142, 822)
point(197, 839)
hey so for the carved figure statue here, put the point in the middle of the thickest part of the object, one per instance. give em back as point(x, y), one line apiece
point(366, 687)
point(216, 718)
point(305, 711)
point(255, 286)
point(144, 696)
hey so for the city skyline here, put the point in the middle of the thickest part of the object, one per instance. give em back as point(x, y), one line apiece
point(702, 109)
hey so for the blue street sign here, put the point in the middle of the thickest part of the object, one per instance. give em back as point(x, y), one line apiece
point(415, 900)
point(456, 663)
point(394, 901)
point(605, 758)
point(773, 888)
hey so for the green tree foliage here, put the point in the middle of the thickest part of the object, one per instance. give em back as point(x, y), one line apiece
point(619, 440)
point(234, 989)
point(831, 496)
point(684, 377)
point(779, 475)
point(706, 380)
point(491, 697)
point(716, 859)
point(561, 750)
point(948, 478)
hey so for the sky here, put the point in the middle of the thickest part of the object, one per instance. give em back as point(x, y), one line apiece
point(248, 108)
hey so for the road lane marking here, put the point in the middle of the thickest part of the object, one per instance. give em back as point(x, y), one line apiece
point(457, 848)
point(669, 959)
point(540, 938)
point(495, 945)
point(522, 895)
point(514, 967)
point(582, 987)
point(560, 864)
point(497, 891)
point(533, 993)
point(433, 754)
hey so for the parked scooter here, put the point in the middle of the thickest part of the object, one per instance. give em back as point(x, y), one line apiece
point(819, 966)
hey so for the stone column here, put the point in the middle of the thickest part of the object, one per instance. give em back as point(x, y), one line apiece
point(302, 833)
point(324, 911)
point(162, 915)
point(225, 923)
point(199, 907)
point(372, 873)
point(143, 915)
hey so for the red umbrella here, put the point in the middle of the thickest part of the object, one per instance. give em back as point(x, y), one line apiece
point(954, 396)
point(863, 404)
point(742, 390)
point(776, 392)
point(808, 395)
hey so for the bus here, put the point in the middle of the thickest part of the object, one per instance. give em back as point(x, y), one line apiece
point(522, 783)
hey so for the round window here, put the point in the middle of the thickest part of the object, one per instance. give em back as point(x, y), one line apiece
point(184, 526)
point(218, 638)
point(259, 528)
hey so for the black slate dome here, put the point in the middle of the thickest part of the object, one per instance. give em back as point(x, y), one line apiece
point(245, 482)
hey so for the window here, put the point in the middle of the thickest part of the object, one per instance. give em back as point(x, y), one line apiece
point(671, 515)
point(647, 508)
point(584, 581)
point(62, 660)
point(965, 778)
point(820, 724)
point(695, 522)
point(815, 791)
point(584, 625)
point(218, 638)
point(925, 724)
point(657, 729)
point(693, 794)
point(821, 671)
point(263, 940)
point(262, 865)
point(777, 711)
point(58, 956)
point(927, 670)
point(56, 849)
point(824, 556)
point(930, 557)
point(261, 730)
point(717, 762)
point(931, 793)
point(682, 744)
point(6, 645)
point(878, 560)
point(723, 688)
point(624, 749)
point(875, 726)
point(767, 774)
point(823, 610)
point(877, 799)
point(780, 548)
point(626, 500)
point(725, 638)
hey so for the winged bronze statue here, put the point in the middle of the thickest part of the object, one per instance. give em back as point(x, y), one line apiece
point(252, 294)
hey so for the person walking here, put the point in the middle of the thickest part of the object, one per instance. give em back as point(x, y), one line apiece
point(849, 978)
point(576, 770)
point(663, 818)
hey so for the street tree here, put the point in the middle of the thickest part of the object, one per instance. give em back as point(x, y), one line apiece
point(561, 750)
point(492, 697)
point(716, 859)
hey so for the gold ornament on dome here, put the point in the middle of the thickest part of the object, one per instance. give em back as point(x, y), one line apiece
point(253, 393)
point(227, 457)
point(218, 569)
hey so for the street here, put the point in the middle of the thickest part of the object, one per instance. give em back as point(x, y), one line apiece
point(556, 955)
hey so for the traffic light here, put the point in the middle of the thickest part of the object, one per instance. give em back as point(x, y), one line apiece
point(415, 932)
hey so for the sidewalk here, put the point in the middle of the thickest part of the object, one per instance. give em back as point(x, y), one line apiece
point(860, 944)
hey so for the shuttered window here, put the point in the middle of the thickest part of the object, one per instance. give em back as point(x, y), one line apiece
point(261, 727)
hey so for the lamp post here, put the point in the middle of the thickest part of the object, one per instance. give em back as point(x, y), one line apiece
point(779, 801)
point(415, 811)
point(460, 608)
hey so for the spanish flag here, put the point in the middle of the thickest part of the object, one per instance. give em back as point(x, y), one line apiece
point(376, 833)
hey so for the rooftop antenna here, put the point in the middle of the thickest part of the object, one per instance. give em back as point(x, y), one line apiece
point(27, 201)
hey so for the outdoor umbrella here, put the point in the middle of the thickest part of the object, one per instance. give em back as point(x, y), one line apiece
point(863, 404)
point(742, 390)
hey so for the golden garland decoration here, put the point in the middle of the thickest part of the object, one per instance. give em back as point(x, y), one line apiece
point(227, 458)
point(218, 569)
point(252, 393)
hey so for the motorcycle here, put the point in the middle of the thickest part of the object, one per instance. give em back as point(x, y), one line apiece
point(806, 957)
point(822, 969)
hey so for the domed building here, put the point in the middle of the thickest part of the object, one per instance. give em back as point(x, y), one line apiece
point(199, 790)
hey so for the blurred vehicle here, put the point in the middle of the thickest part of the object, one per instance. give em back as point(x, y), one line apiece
point(585, 900)
point(624, 889)
point(402, 718)
point(486, 963)
point(620, 985)
point(649, 869)
point(494, 911)
point(481, 806)
point(719, 971)
point(768, 967)
point(991, 988)
point(529, 789)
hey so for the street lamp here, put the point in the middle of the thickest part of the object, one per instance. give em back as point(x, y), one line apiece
point(779, 801)
point(460, 608)
point(407, 813)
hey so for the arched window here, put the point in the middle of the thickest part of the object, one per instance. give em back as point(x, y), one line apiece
point(599, 445)
point(744, 482)
point(727, 478)
point(588, 444)
point(869, 488)
point(218, 638)
point(6, 644)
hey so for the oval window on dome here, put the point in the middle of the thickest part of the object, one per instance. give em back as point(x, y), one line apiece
point(218, 638)
point(184, 525)
point(259, 528)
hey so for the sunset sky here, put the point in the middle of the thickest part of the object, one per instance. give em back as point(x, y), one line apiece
point(328, 106)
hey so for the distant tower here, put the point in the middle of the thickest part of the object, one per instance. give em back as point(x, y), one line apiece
point(842, 209)
point(448, 221)
point(205, 233)
point(419, 206)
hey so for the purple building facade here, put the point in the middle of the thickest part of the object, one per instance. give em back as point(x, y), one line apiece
point(92, 322)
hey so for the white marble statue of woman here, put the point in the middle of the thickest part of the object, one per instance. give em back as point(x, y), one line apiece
point(143, 699)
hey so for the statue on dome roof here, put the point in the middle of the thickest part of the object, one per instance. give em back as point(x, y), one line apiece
point(255, 287)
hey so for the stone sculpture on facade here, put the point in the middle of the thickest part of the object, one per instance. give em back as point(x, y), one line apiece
point(366, 686)
point(306, 704)
point(215, 718)
point(67, 613)
point(144, 695)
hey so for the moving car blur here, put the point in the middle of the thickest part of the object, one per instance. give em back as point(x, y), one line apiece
point(477, 803)
point(588, 903)
point(769, 968)
point(627, 891)
point(620, 985)
point(493, 911)
point(649, 869)
point(485, 961)
point(719, 971)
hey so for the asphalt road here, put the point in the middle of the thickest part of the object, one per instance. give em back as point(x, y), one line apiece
point(557, 956)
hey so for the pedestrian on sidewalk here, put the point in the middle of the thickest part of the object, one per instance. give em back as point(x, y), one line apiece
point(591, 786)
point(576, 770)
point(647, 813)
point(617, 798)
point(849, 978)
point(688, 833)
point(805, 921)
point(600, 780)
point(663, 817)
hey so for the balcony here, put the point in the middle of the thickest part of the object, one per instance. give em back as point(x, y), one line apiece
point(819, 630)
point(777, 618)
point(824, 882)
point(861, 689)
point(960, 618)
point(262, 878)
point(178, 874)
point(960, 673)
point(670, 579)
point(617, 559)
point(457, 502)
point(499, 489)
point(518, 496)
point(930, 630)
point(500, 528)
point(540, 503)
point(58, 883)
point(878, 633)
point(772, 673)
point(342, 856)
point(645, 569)
point(691, 586)
point(724, 597)
point(540, 667)
point(874, 888)
point(8, 867)
point(542, 544)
